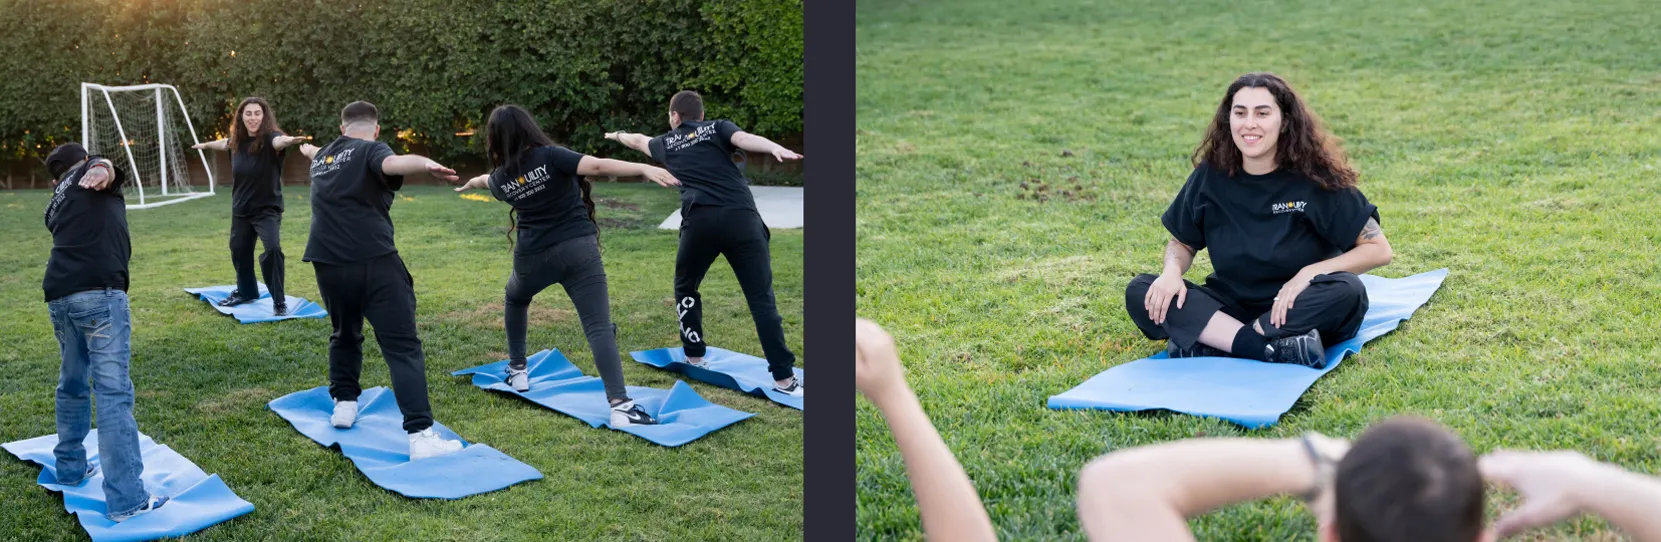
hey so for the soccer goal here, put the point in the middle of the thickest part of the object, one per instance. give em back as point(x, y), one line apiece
point(141, 125)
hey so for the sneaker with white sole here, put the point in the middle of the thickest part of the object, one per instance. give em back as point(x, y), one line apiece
point(346, 413)
point(627, 413)
point(427, 443)
point(793, 390)
point(519, 379)
point(700, 363)
point(149, 506)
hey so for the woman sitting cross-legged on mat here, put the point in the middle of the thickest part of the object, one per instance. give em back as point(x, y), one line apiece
point(1403, 480)
point(558, 242)
point(1274, 199)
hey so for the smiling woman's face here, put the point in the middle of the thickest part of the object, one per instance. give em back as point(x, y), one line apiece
point(1254, 122)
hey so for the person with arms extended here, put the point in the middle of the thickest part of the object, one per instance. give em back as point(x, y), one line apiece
point(256, 199)
point(719, 217)
point(557, 242)
point(360, 275)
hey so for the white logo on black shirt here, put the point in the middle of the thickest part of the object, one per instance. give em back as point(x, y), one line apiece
point(1287, 207)
point(329, 163)
point(676, 142)
point(527, 184)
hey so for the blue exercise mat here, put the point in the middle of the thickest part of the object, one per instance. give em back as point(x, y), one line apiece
point(683, 416)
point(259, 310)
point(1250, 393)
point(197, 500)
point(379, 447)
point(727, 369)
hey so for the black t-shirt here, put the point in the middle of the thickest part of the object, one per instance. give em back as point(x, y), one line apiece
point(543, 187)
point(699, 154)
point(351, 202)
point(257, 178)
point(1263, 229)
point(90, 246)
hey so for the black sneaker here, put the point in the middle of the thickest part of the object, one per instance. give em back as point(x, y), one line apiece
point(1305, 350)
point(235, 299)
point(1199, 350)
point(627, 413)
point(279, 309)
point(793, 390)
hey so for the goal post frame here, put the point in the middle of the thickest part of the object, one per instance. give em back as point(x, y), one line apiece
point(159, 98)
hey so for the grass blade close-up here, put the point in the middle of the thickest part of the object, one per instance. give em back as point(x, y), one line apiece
point(1014, 162)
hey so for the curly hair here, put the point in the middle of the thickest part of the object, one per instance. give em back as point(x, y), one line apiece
point(1305, 145)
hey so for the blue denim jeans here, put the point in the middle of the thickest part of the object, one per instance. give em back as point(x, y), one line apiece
point(94, 329)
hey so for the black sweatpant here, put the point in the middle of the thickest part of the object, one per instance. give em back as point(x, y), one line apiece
point(381, 290)
point(1334, 303)
point(267, 225)
point(740, 235)
point(574, 264)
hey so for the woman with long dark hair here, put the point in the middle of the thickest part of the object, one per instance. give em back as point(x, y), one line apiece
point(1275, 199)
point(256, 199)
point(557, 241)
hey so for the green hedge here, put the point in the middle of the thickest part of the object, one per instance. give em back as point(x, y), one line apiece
point(434, 67)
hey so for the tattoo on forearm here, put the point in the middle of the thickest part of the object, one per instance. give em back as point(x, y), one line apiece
point(1371, 230)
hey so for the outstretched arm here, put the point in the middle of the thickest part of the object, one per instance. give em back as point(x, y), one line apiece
point(618, 168)
point(1147, 493)
point(1558, 485)
point(754, 143)
point(634, 141)
point(946, 500)
point(283, 142)
point(309, 150)
point(482, 181)
point(410, 164)
point(215, 145)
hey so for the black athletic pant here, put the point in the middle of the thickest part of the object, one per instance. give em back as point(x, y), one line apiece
point(574, 264)
point(267, 225)
point(380, 290)
point(739, 234)
point(1334, 303)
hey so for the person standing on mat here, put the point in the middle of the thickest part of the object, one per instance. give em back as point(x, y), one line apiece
point(558, 242)
point(86, 294)
point(1274, 198)
point(1405, 479)
point(256, 200)
point(719, 217)
point(360, 275)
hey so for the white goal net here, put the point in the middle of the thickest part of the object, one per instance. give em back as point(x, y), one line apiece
point(139, 127)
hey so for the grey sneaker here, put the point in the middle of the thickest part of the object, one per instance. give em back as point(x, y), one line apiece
point(1305, 350)
point(345, 414)
point(149, 506)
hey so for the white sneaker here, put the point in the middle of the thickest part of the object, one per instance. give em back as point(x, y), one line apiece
point(793, 390)
point(149, 506)
point(519, 379)
point(426, 443)
point(698, 362)
point(627, 413)
point(346, 413)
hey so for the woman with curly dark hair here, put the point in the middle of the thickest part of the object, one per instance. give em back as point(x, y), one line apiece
point(1275, 199)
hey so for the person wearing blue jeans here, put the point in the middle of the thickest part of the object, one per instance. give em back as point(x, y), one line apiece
point(85, 286)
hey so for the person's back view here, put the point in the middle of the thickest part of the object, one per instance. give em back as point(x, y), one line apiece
point(719, 218)
point(1407, 479)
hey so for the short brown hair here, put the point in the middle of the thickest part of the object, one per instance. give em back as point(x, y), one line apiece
point(1408, 479)
point(689, 104)
point(360, 111)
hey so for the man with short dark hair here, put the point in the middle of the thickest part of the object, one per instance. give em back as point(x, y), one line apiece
point(86, 294)
point(719, 217)
point(360, 275)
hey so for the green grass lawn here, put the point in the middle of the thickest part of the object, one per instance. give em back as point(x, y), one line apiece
point(203, 381)
point(1515, 143)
